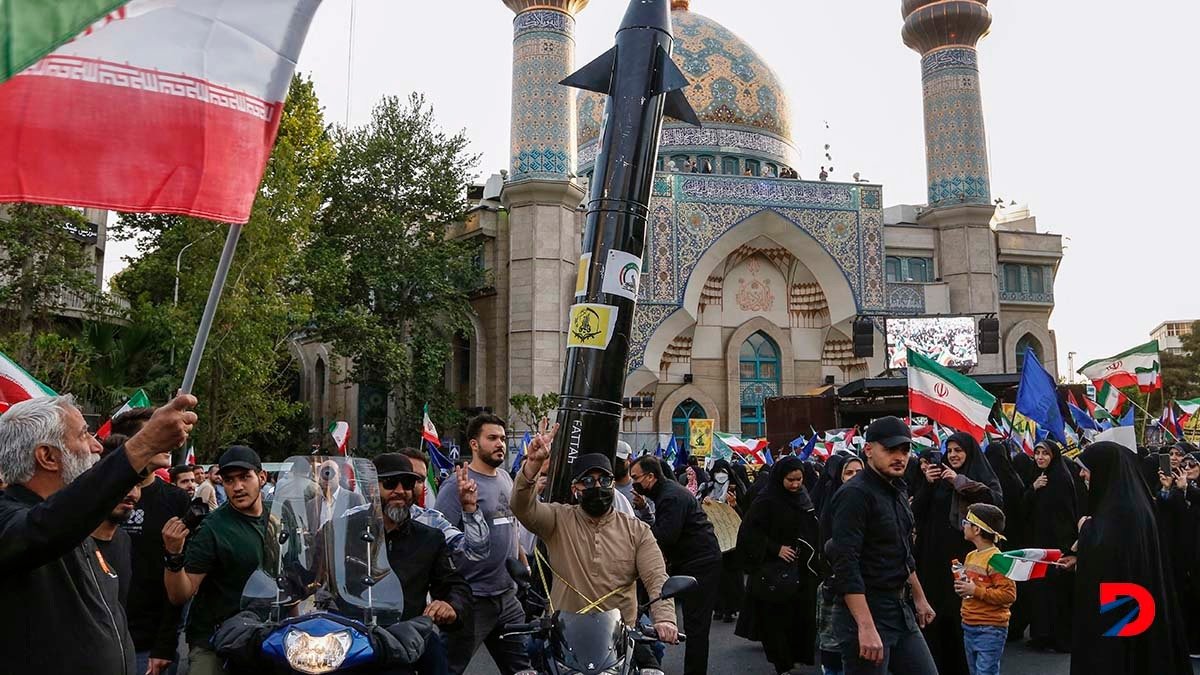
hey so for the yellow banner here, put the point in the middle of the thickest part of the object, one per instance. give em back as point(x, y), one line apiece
point(591, 326)
point(700, 437)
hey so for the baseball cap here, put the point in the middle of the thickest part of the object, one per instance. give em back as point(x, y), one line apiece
point(394, 464)
point(889, 432)
point(591, 462)
point(623, 450)
point(239, 457)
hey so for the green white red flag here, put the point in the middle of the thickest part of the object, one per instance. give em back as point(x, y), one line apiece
point(1187, 409)
point(947, 396)
point(1111, 399)
point(138, 400)
point(165, 106)
point(428, 431)
point(1026, 563)
point(752, 448)
point(16, 385)
point(340, 432)
point(1134, 367)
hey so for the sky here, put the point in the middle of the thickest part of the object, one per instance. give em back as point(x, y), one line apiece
point(1090, 109)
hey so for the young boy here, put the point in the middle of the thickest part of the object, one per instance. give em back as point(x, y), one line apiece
point(987, 594)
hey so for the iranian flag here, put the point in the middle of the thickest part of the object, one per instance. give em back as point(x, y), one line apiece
point(1187, 409)
point(340, 431)
point(16, 385)
point(947, 396)
point(1111, 399)
point(1026, 563)
point(1136, 367)
point(750, 448)
point(138, 400)
point(165, 106)
point(428, 431)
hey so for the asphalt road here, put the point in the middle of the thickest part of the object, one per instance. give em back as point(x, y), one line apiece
point(732, 654)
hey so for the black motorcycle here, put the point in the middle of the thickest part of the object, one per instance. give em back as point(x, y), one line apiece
point(596, 643)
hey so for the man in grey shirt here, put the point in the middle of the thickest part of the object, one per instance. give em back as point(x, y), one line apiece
point(494, 597)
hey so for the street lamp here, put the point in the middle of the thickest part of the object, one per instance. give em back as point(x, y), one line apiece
point(175, 295)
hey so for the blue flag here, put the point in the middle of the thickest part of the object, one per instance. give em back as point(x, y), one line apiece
point(1037, 398)
point(768, 458)
point(520, 457)
point(796, 443)
point(808, 448)
point(1082, 419)
point(671, 452)
point(682, 458)
point(440, 462)
point(1127, 419)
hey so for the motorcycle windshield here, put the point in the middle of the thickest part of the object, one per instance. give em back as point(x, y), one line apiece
point(325, 548)
point(589, 643)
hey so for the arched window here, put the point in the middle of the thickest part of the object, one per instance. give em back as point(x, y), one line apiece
point(1028, 341)
point(753, 167)
point(319, 393)
point(688, 410)
point(730, 166)
point(758, 363)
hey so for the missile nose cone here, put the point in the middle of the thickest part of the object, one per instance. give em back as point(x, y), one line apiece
point(654, 14)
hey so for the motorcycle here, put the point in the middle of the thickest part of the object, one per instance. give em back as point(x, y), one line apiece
point(325, 599)
point(596, 643)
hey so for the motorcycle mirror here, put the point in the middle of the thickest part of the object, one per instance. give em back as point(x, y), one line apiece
point(517, 570)
point(675, 586)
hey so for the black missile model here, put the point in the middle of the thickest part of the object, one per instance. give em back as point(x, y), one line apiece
point(642, 84)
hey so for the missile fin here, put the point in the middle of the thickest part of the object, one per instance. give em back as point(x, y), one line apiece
point(670, 77)
point(678, 107)
point(596, 76)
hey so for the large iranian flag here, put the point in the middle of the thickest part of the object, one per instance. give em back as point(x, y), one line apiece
point(167, 106)
point(16, 385)
point(1136, 367)
point(947, 396)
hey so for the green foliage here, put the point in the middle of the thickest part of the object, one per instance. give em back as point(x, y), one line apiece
point(1181, 374)
point(246, 380)
point(389, 290)
point(530, 409)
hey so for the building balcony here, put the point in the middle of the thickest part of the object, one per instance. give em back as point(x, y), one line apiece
point(1026, 297)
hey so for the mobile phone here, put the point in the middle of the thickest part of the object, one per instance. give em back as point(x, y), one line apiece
point(935, 457)
point(1164, 463)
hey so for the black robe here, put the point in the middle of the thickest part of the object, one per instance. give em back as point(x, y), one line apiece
point(1120, 544)
point(787, 628)
point(938, 510)
point(1016, 526)
point(1050, 514)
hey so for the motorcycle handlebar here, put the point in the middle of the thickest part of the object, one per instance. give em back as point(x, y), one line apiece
point(652, 634)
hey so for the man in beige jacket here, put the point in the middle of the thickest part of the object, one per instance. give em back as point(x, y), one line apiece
point(596, 553)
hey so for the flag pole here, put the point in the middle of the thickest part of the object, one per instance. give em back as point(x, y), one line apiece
point(1147, 419)
point(210, 309)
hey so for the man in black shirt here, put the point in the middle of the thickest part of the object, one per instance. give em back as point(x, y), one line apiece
point(871, 555)
point(690, 548)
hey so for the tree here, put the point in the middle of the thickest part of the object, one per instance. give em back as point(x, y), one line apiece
point(1181, 373)
point(389, 289)
point(44, 264)
point(246, 377)
point(530, 409)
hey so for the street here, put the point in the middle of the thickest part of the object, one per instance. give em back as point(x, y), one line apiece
point(731, 654)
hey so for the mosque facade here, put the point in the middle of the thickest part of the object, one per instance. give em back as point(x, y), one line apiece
point(751, 277)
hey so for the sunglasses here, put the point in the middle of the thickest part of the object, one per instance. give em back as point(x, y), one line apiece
point(405, 480)
point(592, 481)
point(1189, 464)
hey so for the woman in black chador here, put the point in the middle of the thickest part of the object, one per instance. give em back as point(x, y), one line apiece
point(962, 478)
point(999, 456)
point(780, 534)
point(1119, 543)
point(1050, 510)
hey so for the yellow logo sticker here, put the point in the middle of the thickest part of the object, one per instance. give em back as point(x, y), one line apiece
point(591, 326)
point(582, 274)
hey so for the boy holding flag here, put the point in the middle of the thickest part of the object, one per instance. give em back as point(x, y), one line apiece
point(987, 594)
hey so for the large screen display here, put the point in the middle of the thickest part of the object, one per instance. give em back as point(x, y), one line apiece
point(951, 341)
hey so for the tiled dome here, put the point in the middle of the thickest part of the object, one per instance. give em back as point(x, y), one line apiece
point(732, 89)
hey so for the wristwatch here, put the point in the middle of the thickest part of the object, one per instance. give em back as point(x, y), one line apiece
point(173, 562)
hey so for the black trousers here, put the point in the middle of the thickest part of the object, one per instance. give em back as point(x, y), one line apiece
point(698, 612)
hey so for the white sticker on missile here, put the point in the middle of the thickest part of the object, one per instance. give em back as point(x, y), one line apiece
point(622, 274)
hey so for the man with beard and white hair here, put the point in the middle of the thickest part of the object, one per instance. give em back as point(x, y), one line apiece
point(421, 558)
point(494, 595)
point(62, 618)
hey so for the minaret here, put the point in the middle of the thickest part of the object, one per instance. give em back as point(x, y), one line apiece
point(944, 33)
point(542, 240)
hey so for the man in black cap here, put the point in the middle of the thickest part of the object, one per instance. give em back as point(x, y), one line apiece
point(221, 555)
point(421, 559)
point(871, 555)
point(596, 553)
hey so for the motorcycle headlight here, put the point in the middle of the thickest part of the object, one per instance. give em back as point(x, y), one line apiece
point(316, 655)
point(651, 671)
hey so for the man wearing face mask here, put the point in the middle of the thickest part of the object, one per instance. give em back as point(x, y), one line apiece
point(594, 551)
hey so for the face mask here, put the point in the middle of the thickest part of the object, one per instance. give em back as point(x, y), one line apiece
point(596, 501)
point(721, 477)
point(638, 488)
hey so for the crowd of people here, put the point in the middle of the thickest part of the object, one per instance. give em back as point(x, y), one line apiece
point(883, 561)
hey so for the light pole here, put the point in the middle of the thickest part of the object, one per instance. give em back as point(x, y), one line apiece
point(1071, 367)
point(175, 295)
